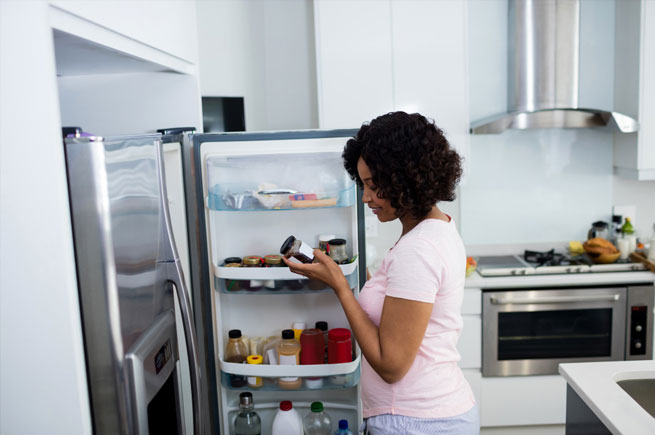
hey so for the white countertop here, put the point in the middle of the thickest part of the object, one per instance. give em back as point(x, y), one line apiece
point(596, 385)
point(600, 278)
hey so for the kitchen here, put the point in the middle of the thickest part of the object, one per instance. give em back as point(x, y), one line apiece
point(527, 189)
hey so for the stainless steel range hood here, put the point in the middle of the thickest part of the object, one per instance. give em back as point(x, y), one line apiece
point(543, 70)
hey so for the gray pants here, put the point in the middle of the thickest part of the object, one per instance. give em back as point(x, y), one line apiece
point(387, 424)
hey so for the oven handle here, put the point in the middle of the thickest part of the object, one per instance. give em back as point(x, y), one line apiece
point(554, 299)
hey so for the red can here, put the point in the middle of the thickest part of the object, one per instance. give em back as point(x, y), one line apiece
point(339, 346)
point(312, 346)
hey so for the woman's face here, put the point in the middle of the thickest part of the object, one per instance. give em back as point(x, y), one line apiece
point(380, 207)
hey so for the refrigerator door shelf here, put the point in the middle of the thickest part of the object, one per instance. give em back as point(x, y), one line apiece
point(273, 371)
point(236, 198)
point(274, 280)
point(334, 382)
point(264, 273)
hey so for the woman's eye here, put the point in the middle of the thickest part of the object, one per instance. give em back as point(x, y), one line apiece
point(373, 188)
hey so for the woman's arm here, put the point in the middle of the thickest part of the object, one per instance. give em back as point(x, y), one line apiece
point(389, 349)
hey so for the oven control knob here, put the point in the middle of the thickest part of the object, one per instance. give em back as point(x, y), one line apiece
point(638, 328)
point(637, 344)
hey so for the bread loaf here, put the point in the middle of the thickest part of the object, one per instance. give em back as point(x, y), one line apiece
point(598, 246)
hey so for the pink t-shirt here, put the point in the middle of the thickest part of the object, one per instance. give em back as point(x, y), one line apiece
point(428, 264)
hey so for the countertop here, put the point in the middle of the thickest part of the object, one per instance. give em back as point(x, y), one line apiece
point(600, 278)
point(596, 385)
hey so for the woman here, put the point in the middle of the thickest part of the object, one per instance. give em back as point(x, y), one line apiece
point(407, 320)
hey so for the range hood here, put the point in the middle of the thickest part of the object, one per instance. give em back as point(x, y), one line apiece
point(543, 67)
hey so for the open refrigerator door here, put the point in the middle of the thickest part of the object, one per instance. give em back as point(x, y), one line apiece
point(257, 190)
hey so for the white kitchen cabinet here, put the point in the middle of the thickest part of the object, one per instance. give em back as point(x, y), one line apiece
point(522, 400)
point(354, 62)
point(167, 26)
point(634, 89)
point(379, 56)
point(470, 340)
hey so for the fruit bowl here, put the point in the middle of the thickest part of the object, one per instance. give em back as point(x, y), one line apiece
point(604, 258)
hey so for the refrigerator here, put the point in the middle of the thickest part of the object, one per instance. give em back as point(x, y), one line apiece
point(130, 281)
point(244, 194)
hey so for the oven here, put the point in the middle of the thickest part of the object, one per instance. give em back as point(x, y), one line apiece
point(530, 332)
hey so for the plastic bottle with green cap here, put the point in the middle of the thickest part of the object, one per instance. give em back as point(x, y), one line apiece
point(318, 421)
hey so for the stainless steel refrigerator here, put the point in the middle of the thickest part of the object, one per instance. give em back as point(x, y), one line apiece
point(129, 272)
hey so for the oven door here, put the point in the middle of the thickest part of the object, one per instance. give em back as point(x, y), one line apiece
point(530, 332)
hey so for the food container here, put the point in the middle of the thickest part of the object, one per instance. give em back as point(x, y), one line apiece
point(298, 249)
point(253, 284)
point(339, 346)
point(273, 260)
point(337, 250)
point(232, 284)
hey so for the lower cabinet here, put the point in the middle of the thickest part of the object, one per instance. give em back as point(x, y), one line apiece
point(522, 400)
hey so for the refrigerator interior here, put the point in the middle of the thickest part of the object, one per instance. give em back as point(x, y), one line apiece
point(242, 222)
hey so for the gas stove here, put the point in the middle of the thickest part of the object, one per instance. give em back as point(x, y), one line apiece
point(547, 263)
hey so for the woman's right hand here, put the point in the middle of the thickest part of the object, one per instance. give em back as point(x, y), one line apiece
point(326, 270)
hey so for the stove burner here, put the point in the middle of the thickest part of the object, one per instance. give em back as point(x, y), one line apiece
point(552, 258)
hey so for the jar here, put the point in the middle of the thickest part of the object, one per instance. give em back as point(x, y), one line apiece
point(253, 284)
point(337, 250)
point(323, 241)
point(298, 249)
point(312, 346)
point(339, 346)
point(273, 260)
point(255, 381)
point(232, 284)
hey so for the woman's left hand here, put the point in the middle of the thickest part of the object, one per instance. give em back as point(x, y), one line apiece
point(325, 270)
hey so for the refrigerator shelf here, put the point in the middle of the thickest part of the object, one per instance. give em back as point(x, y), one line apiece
point(268, 273)
point(237, 198)
point(273, 280)
point(276, 371)
point(335, 382)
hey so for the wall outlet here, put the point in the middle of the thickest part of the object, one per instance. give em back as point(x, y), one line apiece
point(371, 226)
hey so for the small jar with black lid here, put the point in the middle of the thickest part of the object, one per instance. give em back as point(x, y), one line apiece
point(298, 249)
point(337, 250)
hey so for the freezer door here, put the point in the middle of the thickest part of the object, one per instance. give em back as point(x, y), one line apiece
point(124, 256)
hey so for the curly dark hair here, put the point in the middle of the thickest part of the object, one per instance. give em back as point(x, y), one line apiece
point(411, 162)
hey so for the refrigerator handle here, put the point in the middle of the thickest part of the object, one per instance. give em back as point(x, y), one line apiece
point(176, 279)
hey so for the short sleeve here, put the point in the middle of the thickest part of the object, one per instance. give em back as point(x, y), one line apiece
point(415, 271)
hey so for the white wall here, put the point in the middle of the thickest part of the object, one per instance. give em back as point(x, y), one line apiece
point(42, 371)
point(543, 185)
point(264, 52)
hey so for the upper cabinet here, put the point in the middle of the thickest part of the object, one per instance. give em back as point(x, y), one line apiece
point(162, 32)
point(378, 56)
point(634, 89)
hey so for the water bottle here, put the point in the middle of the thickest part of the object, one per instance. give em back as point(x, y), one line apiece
point(343, 428)
point(247, 421)
point(317, 422)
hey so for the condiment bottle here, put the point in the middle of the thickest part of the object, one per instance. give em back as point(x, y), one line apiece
point(298, 327)
point(288, 353)
point(252, 261)
point(312, 346)
point(339, 346)
point(236, 351)
point(254, 381)
point(298, 249)
point(338, 251)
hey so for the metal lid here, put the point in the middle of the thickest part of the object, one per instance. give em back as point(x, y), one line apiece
point(245, 399)
point(286, 246)
point(252, 260)
point(229, 260)
point(273, 259)
point(600, 224)
point(337, 242)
